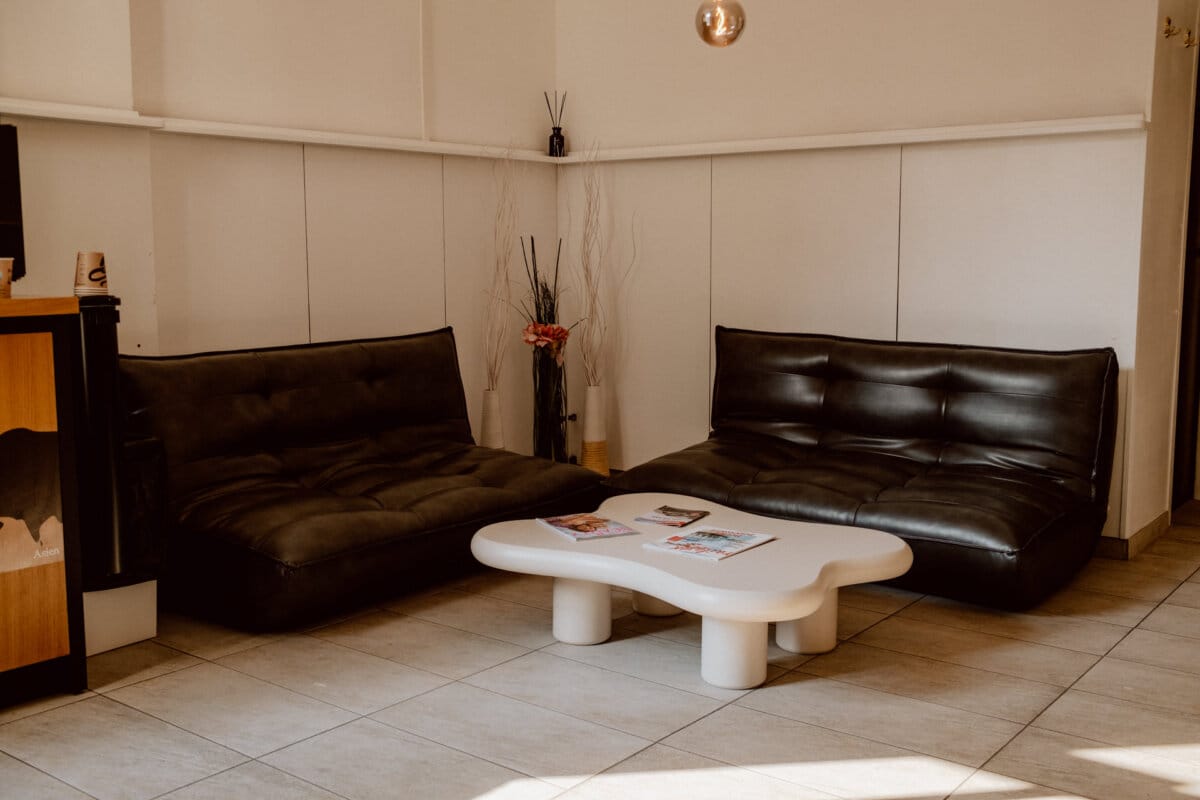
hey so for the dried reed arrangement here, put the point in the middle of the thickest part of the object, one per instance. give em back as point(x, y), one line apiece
point(499, 301)
point(593, 324)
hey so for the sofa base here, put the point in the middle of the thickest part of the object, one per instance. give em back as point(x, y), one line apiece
point(228, 584)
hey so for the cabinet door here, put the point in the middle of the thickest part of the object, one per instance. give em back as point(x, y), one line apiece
point(34, 624)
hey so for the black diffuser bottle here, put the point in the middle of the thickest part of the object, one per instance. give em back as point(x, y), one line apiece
point(558, 142)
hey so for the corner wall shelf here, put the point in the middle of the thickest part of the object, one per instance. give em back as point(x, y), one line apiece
point(230, 130)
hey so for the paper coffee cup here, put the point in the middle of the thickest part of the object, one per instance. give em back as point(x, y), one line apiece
point(90, 275)
point(6, 270)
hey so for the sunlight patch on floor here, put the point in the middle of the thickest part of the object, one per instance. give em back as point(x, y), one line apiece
point(1174, 763)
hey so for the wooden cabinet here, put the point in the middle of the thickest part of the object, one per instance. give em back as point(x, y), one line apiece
point(41, 610)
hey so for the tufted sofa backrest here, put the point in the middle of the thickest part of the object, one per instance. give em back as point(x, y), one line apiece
point(1049, 412)
point(260, 401)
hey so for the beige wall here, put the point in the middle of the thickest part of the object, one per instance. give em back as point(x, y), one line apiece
point(66, 51)
point(638, 74)
point(451, 70)
point(217, 242)
point(354, 65)
point(487, 64)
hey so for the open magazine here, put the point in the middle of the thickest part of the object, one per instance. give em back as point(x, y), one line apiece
point(710, 543)
point(672, 516)
point(586, 526)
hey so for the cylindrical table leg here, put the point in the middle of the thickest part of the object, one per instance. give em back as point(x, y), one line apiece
point(653, 607)
point(582, 611)
point(816, 633)
point(733, 655)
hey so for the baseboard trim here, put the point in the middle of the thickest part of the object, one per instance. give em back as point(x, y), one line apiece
point(1125, 549)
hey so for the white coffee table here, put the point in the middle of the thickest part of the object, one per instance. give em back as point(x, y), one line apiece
point(792, 581)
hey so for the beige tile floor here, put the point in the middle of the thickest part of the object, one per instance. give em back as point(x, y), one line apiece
point(463, 693)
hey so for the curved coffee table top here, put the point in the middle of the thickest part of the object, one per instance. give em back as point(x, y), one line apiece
point(783, 579)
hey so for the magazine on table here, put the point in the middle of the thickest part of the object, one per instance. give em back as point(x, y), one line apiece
point(586, 526)
point(672, 516)
point(710, 543)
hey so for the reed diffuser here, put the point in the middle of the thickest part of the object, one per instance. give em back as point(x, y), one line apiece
point(558, 142)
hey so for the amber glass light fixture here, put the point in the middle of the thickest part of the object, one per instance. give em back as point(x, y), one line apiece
point(720, 22)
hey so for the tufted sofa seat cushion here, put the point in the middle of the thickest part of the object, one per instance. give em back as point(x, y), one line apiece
point(305, 479)
point(992, 464)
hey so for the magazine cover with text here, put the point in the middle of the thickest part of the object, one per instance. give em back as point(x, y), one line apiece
point(672, 516)
point(710, 543)
point(586, 526)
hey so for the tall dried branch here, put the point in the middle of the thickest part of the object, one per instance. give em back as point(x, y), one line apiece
point(592, 254)
point(499, 299)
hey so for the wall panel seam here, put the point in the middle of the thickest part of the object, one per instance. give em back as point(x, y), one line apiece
point(307, 258)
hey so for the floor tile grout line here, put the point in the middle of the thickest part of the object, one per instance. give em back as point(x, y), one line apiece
point(50, 775)
point(544, 651)
point(179, 727)
point(552, 710)
point(105, 691)
point(350, 649)
point(239, 766)
point(357, 716)
point(87, 694)
point(950, 794)
point(840, 732)
point(604, 725)
point(460, 630)
point(292, 690)
point(1126, 628)
point(1194, 717)
point(798, 722)
point(1031, 723)
point(800, 669)
point(468, 753)
point(648, 680)
point(969, 666)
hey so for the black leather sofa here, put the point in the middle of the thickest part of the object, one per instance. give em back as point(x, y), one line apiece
point(303, 480)
point(994, 465)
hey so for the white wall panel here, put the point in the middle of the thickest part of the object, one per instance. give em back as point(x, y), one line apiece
point(470, 221)
point(639, 74)
point(1023, 243)
point(66, 51)
point(229, 243)
point(807, 241)
point(87, 187)
point(353, 65)
point(487, 64)
point(375, 264)
point(655, 217)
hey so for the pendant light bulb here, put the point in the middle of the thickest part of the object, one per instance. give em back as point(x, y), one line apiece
point(720, 22)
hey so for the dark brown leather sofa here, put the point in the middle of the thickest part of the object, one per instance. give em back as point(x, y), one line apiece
point(994, 465)
point(303, 480)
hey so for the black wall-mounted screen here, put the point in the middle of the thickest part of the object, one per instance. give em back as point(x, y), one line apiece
point(12, 241)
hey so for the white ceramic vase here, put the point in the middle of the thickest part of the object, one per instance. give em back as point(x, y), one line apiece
point(491, 433)
point(595, 435)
